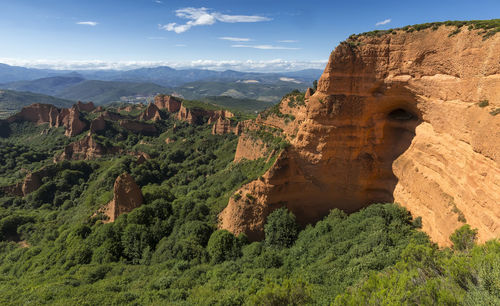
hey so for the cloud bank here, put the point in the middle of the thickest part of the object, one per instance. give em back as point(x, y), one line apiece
point(203, 17)
point(275, 65)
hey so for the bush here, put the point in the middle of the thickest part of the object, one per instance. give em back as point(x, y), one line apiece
point(289, 292)
point(223, 246)
point(281, 230)
point(464, 238)
point(483, 103)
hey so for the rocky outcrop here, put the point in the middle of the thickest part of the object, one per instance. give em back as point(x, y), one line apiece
point(309, 93)
point(192, 116)
point(250, 148)
point(112, 116)
point(395, 119)
point(46, 113)
point(85, 149)
point(85, 107)
point(223, 126)
point(171, 104)
point(31, 183)
point(70, 119)
point(37, 113)
point(138, 127)
point(97, 125)
point(152, 112)
point(197, 115)
point(127, 195)
point(33, 180)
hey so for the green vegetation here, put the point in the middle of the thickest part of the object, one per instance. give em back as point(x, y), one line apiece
point(265, 92)
point(54, 249)
point(295, 98)
point(426, 275)
point(101, 92)
point(495, 112)
point(483, 103)
point(487, 28)
point(238, 105)
point(12, 101)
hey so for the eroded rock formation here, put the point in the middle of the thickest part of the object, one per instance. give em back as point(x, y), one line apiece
point(97, 125)
point(46, 113)
point(395, 119)
point(152, 112)
point(127, 195)
point(70, 119)
point(85, 149)
point(85, 107)
point(138, 127)
point(171, 104)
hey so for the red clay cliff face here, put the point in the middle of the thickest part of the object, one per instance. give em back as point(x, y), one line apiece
point(46, 113)
point(394, 119)
point(70, 119)
point(171, 104)
point(85, 107)
point(85, 149)
point(127, 195)
point(152, 112)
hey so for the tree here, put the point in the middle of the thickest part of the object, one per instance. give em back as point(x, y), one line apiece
point(281, 230)
point(223, 246)
point(464, 238)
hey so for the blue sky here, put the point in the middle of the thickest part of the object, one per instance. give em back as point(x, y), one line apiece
point(242, 35)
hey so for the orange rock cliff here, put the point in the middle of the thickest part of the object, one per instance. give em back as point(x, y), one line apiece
point(126, 196)
point(395, 118)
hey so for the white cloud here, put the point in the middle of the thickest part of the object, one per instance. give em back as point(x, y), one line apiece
point(203, 16)
point(89, 23)
point(383, 22)
point(235, 38)
point(181, 45)
point(158, 1)
point(264, 47)
point(276, 65)
point(288, 41)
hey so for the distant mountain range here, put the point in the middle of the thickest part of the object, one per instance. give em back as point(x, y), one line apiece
point(164, 76)
point(107, 86)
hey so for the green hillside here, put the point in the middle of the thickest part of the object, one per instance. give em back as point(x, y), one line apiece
point(102, 92)
point(240, 90)
point(12, 101)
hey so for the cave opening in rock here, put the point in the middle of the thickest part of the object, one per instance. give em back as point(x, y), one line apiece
point(401, 114)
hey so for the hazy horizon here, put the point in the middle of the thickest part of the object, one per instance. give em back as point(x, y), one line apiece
point(256, 36)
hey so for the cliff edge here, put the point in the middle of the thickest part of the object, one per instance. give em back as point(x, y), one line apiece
point(407, 116)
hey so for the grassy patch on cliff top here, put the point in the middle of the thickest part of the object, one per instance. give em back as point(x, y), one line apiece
point(488, 27)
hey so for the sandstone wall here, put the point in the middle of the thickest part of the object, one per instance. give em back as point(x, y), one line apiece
point(395, 118)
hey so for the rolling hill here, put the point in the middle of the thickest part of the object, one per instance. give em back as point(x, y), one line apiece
point(12, 101)
point(101, 92)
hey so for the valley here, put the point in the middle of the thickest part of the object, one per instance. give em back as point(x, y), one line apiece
point(377, 184)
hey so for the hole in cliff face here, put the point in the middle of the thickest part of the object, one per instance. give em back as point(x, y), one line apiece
point(401, 115)
point(396, 125)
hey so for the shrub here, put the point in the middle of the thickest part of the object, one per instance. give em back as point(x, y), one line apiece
point(281, 230)
point(289, 292)
point(223, 246)
point(464, 238)
point(483, 103)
